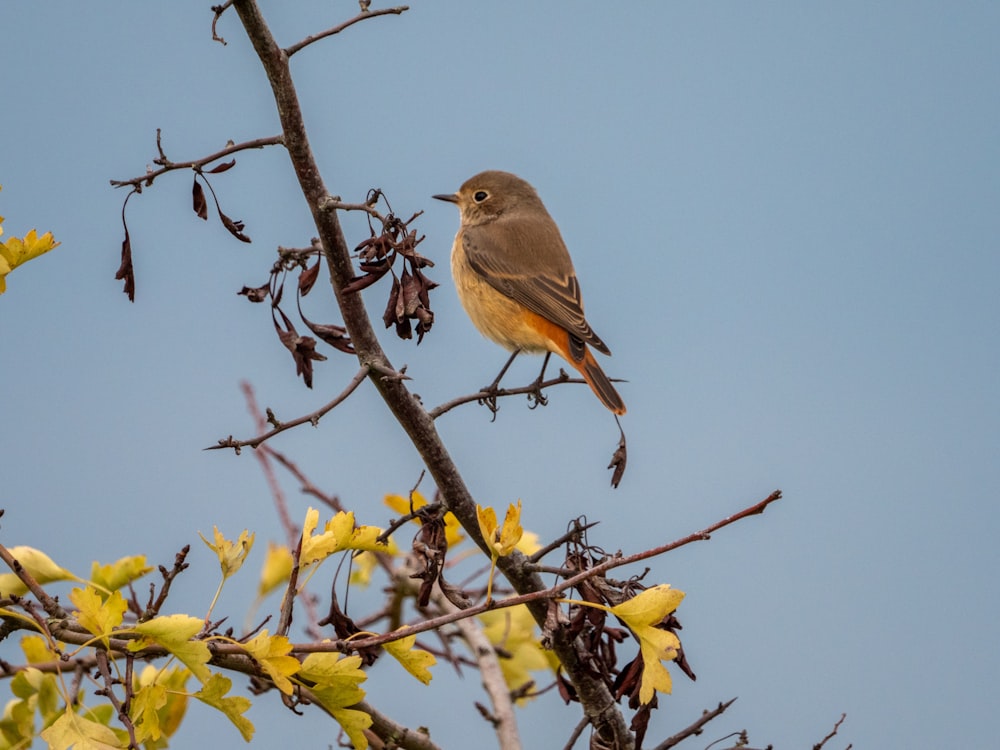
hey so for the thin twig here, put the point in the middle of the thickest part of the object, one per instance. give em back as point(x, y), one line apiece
point(289, 51)
point(312, 418)
point(169, 166)
point(109, 692)
point(534, 596)
point(292, 531)
point(695, 728)
point(832, 733)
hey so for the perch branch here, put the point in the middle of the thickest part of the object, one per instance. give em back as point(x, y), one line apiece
point(291, 50)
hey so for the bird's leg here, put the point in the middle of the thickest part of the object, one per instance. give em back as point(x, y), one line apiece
point(535, 397)
point(492, 390)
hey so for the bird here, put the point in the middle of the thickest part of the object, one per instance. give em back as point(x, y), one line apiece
point(516, 280)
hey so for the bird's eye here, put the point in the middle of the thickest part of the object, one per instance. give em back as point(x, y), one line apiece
point(480, 196)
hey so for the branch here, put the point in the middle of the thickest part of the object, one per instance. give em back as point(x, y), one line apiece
point(313, 418)
point(291, 50)
point(598, 703)
point(832, 733)
point(696, 727)
point(502, 716)
point(169, 166)
point(501, 392)
point(399, 735)
point(536, 596)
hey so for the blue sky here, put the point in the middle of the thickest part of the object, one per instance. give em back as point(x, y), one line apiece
point(785, 222)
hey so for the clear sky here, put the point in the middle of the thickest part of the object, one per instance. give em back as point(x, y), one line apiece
point(786, 221)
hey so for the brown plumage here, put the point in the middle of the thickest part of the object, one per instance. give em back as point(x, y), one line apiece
point(516, 280)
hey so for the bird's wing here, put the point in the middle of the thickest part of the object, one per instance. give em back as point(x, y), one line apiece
point(539, 274)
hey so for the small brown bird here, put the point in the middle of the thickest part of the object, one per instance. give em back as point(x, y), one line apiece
point(516, 280)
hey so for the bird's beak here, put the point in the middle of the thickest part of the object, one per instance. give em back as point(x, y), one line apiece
point(450, 197)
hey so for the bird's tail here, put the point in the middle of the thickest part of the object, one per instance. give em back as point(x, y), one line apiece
point(599, 382)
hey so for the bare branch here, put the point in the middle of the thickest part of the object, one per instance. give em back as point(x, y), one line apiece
point(502, 717)
point(695, 728)
point(313, 418)
point(832, 734)
point(169, 166)
point(289, 51)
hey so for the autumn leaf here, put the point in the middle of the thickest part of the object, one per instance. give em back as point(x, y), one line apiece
point(276, 570)
point(73, 730)
point(271, 652)
point(213, 693)
point(512, 631)
point(335, 687)
point(414, 660)
point(144, 711)
point(38, 564)
point(231, 554)
point(454, 534)
point(117, 574)
point(97, 615)
point(642, 613)
point(174, 633)
point(339, 533)
point(500, 539)
point(159, 702)
point(15, 252)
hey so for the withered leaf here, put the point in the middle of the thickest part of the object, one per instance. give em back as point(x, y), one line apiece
point(307, 278)
point(335, 336)
point(222, 167)
point(303, 348)
point(125, 271)
point(199, 203)
point(235, 227)
point(363, 282)
point(256, 293)
point(618, 460)
point(389, 316)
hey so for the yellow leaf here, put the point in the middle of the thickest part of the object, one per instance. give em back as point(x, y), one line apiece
point(355, 723)
point(453, 532)
point(36, 649)
point(414, 660)
point(340, 677)
point(271, 652)
point(641, 614)
point(117, 574)
point(362, 567)
point(38, 564)
point(512, 631)
point(145, 711)
point(72, 730)
point(14, 252)
point(174, 633)
point(171, 712)
point(231, 554)
point(39, 691)
point(336, 687)
point(276, 570)
point(338, 534)
point(213, 693)
point(97, 615)
point(529, 544)
point(502, 539)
